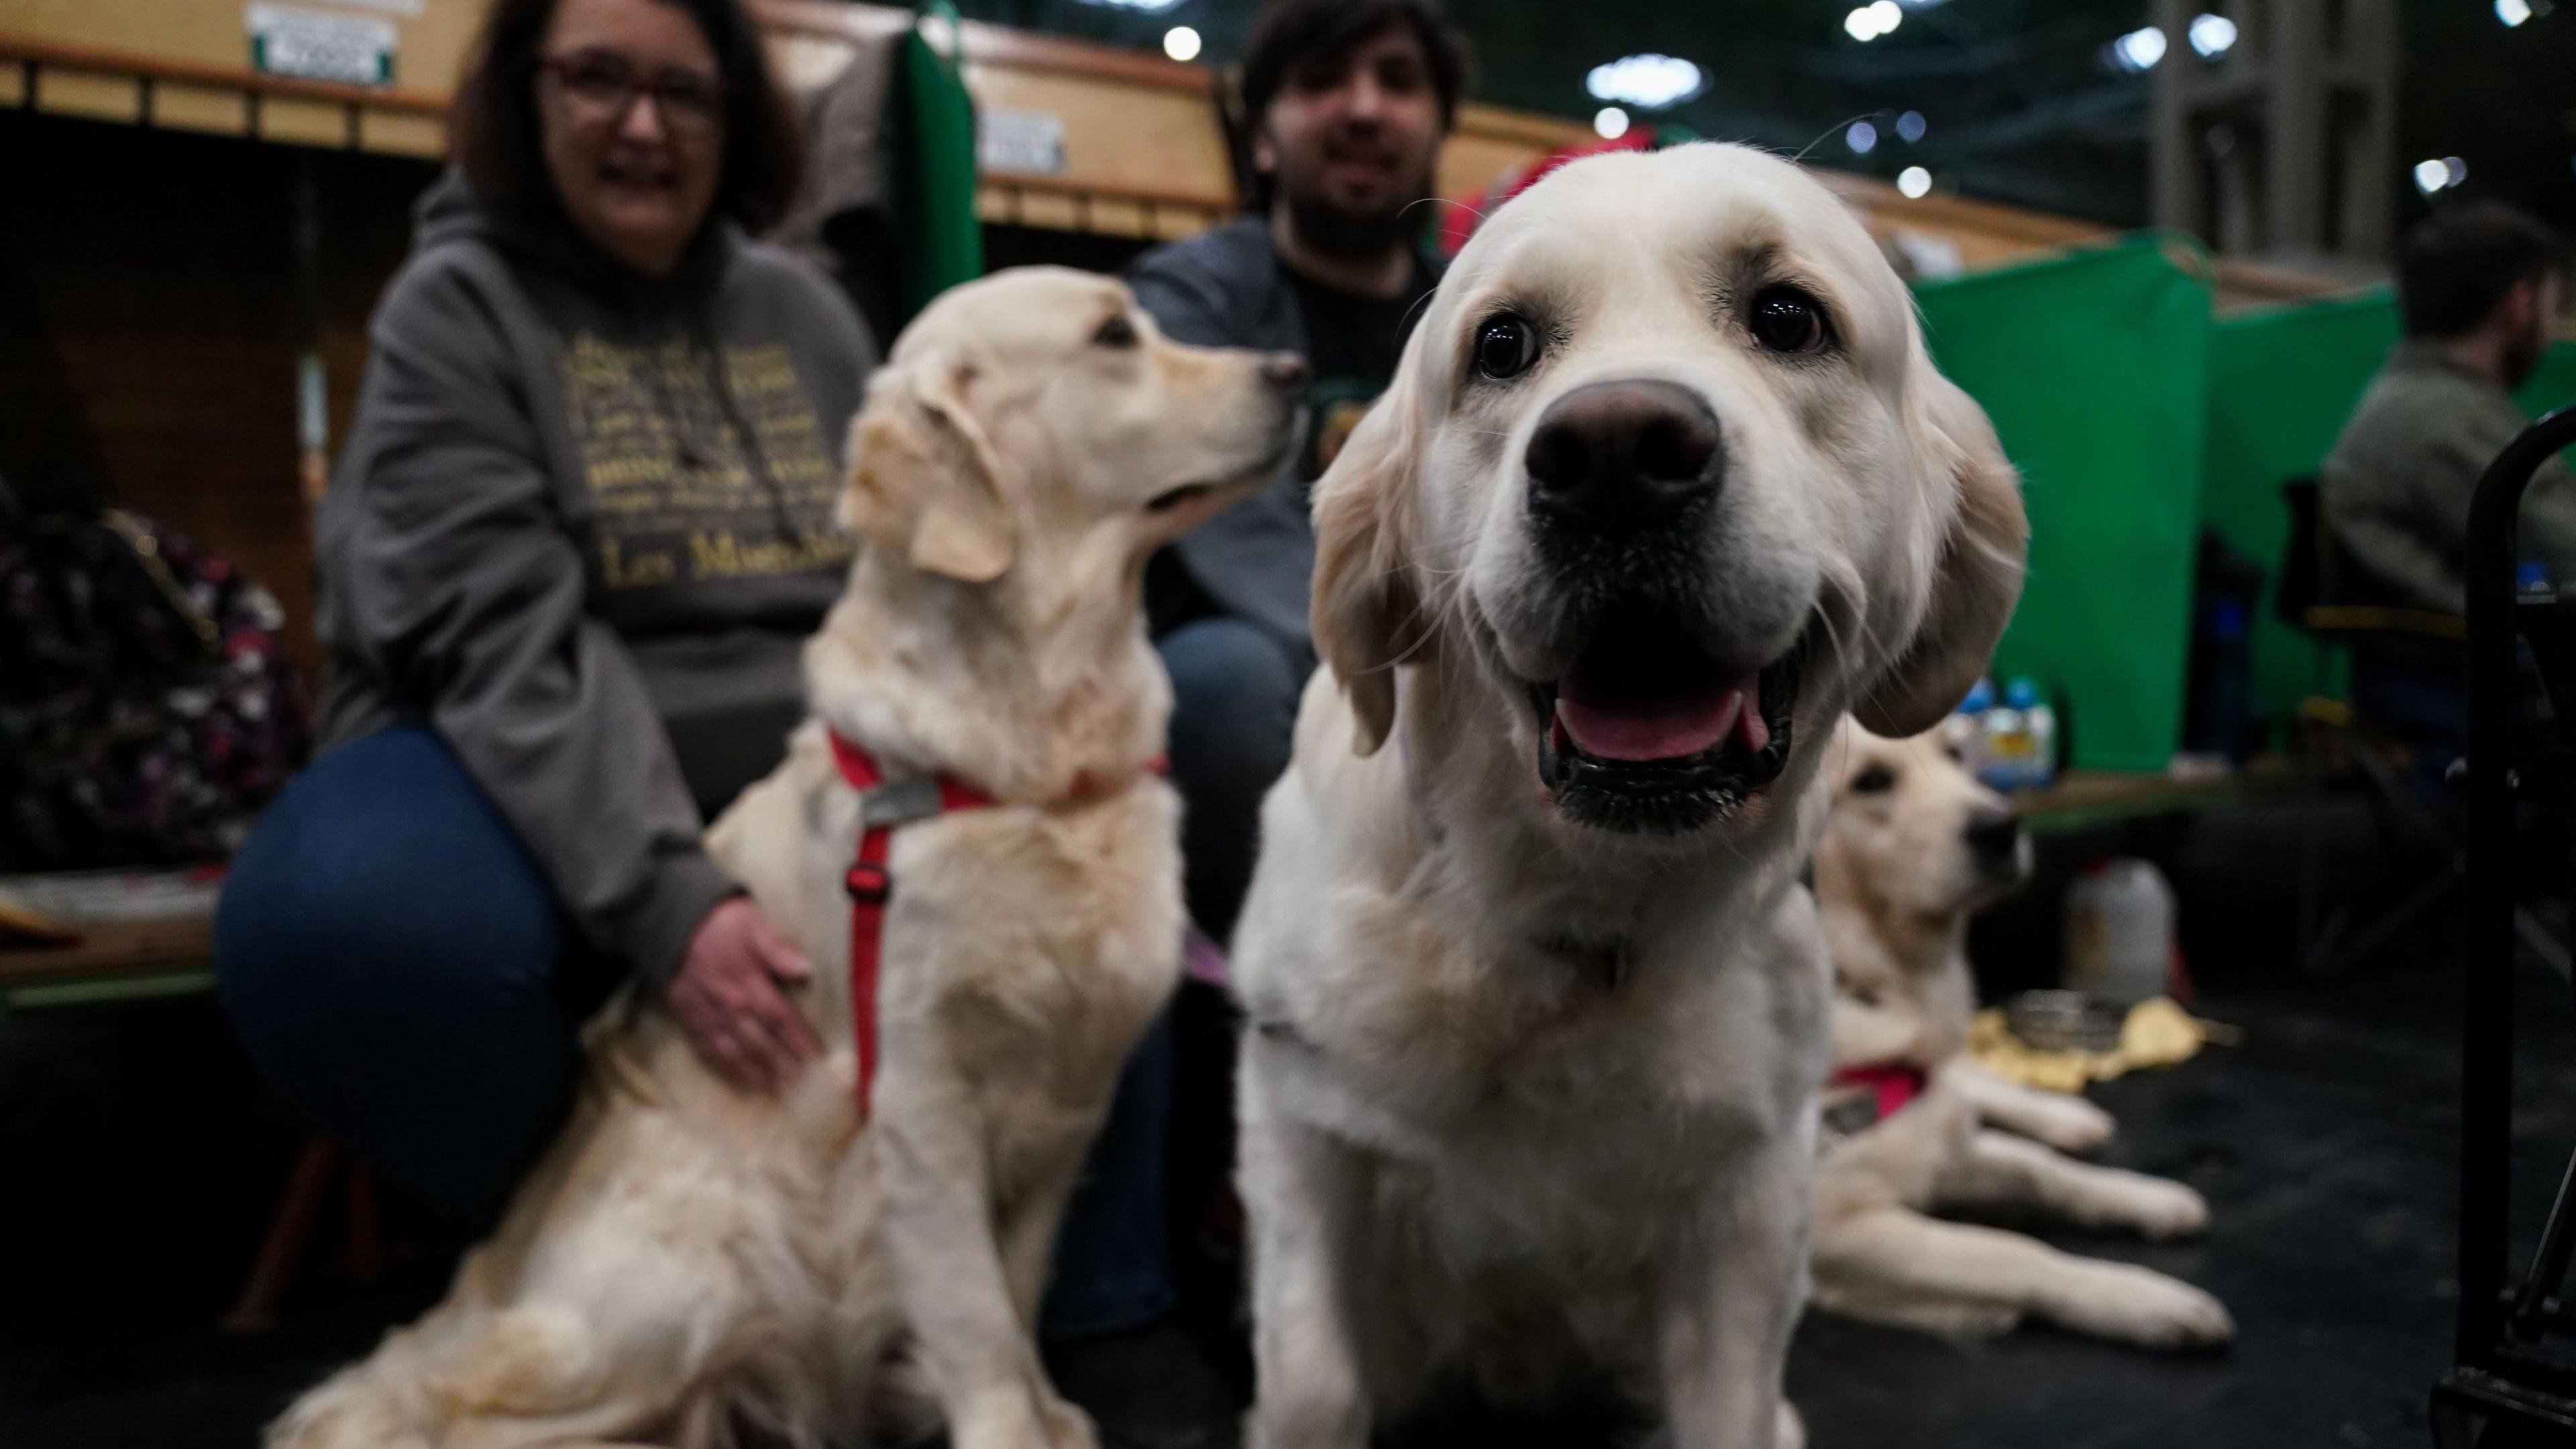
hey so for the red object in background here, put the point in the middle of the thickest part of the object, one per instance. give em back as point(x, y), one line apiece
point(1464, 216)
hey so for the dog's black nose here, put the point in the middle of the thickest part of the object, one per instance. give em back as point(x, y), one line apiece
point(1624, 453)
point(1994, 835)
point(1285, 370)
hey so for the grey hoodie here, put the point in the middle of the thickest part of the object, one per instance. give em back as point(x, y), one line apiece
point(581, 527)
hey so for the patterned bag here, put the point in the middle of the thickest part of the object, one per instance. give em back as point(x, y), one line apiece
point(147, 712)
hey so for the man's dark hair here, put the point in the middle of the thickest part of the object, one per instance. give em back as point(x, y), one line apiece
point(493, 128)
point(1289, 33)
point(2456, 267)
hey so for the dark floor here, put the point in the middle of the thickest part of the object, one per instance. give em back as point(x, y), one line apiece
point(133, 1194)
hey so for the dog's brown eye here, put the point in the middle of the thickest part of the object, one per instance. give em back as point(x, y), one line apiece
point(1116, 332)
point(1785, 319)
point(1876, 780)
point(1505, 347)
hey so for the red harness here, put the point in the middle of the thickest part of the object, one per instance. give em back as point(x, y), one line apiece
point(883, 806)
point(1891, 1084)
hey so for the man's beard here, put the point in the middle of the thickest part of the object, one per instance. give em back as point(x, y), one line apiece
point(1337, 231)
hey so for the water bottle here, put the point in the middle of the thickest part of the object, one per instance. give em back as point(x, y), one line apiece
point(1965, 730)
point(2007, 747)
point(2120, 932)
point(2037, 766)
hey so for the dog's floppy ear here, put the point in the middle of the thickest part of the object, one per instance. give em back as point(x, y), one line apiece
point(1977, 576)
point(925, 482)
point(1366, 610)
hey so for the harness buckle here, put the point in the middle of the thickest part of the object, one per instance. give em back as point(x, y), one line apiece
point(869, 884)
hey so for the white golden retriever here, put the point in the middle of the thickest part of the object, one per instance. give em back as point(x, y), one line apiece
point(691, 1262)
point(1912, 849)
point(1665, 483)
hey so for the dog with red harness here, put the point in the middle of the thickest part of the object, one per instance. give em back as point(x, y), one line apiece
point(971, 842)
point(1912, 848)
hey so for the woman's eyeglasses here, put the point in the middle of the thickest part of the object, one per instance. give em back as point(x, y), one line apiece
point(604, 84)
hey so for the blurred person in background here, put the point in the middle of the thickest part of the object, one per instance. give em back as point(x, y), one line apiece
point(580, 531)
point(2480, 287)
point(1346, 104)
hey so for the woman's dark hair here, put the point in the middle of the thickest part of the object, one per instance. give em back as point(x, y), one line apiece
point(2456, 267)
point(494, 133)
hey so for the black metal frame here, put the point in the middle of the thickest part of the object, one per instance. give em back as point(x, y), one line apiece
point(2503, 1388)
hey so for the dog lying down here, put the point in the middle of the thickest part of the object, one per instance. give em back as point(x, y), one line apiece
point(690, 1263)
point(1664, 484)
point(1912, 849)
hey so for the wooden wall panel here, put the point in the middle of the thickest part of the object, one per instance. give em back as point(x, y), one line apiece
point(149, 330)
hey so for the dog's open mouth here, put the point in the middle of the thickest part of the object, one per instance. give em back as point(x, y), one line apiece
point(1648, 732)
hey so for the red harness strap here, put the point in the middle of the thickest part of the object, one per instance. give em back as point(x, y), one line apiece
point(883, 806)
point(1892, 1084)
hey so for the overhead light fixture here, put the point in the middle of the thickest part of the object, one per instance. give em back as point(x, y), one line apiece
point(2138, 51)
point(1648, 81)
point(2513, 12)
point(1871, 21)
point(1914, 183)
point(1148, 7)
point(1610, 123)
point(1862, 138)
point(2440, 172)
point(1181, 43)
point(2212, 35)
point(1911, 126)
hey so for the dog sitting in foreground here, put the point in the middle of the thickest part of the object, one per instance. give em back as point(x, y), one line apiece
point(693, 1265)
point(1914, 847)
point(1537, 1007)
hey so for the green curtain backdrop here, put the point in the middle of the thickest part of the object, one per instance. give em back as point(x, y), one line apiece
point(2095, 369)
point(2282, 381)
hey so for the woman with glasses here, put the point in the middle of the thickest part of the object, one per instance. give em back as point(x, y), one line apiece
point(581, 527)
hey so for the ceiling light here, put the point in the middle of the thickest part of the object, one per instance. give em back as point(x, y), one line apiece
point(1911, 126)
point(1890, 15)
point(1610, 123)
point(2212, 35)
point(2513, 12)
point(1650, 81)
point(1181, 43)
point(2139, 50)
point(1914, 182)
point(2456, 169)
point(1861, 24)
point(1150, 7)
point(1862, 138)
point(2431, 176)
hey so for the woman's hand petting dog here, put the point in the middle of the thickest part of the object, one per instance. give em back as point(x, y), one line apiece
point(730, 997)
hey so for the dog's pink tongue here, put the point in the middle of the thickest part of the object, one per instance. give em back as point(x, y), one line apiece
point(1665, 731)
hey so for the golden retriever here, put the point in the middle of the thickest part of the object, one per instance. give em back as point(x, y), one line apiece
point(1915, 846)
point(691, 1262)
point(1664, 484)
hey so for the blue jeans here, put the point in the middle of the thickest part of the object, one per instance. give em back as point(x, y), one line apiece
point(399, 969)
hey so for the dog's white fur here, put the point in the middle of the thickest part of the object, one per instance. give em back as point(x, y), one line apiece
point(690, 1259)
point(1523, 1099)
point(1896, 882)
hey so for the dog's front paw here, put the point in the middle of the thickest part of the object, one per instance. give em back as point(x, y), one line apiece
point(1067, 1427)
point(2146, 1308)
point(2072, 1124)
point(2164, 1209)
